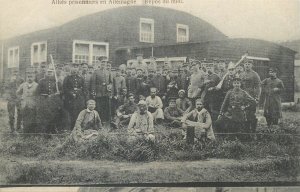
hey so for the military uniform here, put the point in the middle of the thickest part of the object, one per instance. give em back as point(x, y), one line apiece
point(49, 105)
point(87, 85)
point(99, 85)
point(272, 100)
point(131, 84)
point(13, 102)
point(74, 98)
point(233, 110)
point(210, 95)
point(251, 84)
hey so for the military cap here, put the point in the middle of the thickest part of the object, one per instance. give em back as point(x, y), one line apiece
point(115, 69)
point(174, 70)
point(196, 62)
point(181, 91)
point(151, 69)
point(248, 61)
point(130, 95)
point(185, 64)
point(43, 64)
point(59, 65)
point(101, 58)
point(172, 99)
point(153, 89)
point(273, 69)
point(109, 61)
point(83, 64)
point(74, 64)
point(142, 102)
point(139, 69)
point(236, 79)
point(91, 66)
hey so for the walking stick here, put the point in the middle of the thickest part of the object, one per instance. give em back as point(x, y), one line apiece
point(55, 75)
point(237, 64)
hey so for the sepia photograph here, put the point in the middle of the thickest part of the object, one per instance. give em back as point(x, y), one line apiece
point(139, 95)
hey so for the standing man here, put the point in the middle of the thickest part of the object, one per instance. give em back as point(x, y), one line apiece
point(272, 88)
point(42, 72)
point(197, 81)
point(87, 80)
point(232, 112)
point(13, 101)
point(49, 103)
point(184, 77)
point(99, 91)
point(73, 93)
point(131, 82)
point(160, 83)
point(251, 84)
point(209, 95)
point(27, 92)
point(119, 84)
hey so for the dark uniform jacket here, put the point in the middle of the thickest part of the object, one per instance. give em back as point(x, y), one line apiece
point(233, 102)
point(272, 100)
point(73, 86)
point(99, 83)
point(251, 83)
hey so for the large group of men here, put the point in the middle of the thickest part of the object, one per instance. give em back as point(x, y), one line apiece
point(222, 97)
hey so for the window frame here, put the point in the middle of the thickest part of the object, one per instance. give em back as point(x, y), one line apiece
point(147, 21)
point(39, 50)
point(13, 61)
point(182, 26)
point(91, 44)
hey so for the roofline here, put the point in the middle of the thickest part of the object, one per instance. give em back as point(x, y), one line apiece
point(202, 42)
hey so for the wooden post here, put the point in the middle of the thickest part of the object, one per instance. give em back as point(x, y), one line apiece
point(190, 135)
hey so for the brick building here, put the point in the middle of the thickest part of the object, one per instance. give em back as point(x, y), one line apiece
point(120, 33)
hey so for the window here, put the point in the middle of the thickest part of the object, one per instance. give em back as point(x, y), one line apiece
point(38, 53)
point(146, 30)
point(88, 51)
point(182, 33)
point(13, 57)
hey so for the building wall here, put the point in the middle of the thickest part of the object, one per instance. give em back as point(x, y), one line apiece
point(233, 49)
point(119, 27)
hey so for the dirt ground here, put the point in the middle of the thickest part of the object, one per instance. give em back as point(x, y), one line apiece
point(21, 170)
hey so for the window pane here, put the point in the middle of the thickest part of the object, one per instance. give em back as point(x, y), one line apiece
point(99, 50)
point(146, 27)
point(82, 49)
point(182, 32)
point(43, 53)
point(16, 58)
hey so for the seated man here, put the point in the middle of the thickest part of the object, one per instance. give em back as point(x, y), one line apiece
point(199, 119)
point(183, 103)
point(124, 112)
point(155, 105)
point(173, 114)
point(87, 123)
point(141, 124)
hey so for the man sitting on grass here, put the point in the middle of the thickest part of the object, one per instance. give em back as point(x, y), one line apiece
point(124, 112)
point(173, 114)
point(198, 119)
point(87, 124)
point(141, 124)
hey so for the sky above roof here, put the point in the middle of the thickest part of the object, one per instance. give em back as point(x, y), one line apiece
point(272, 20)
